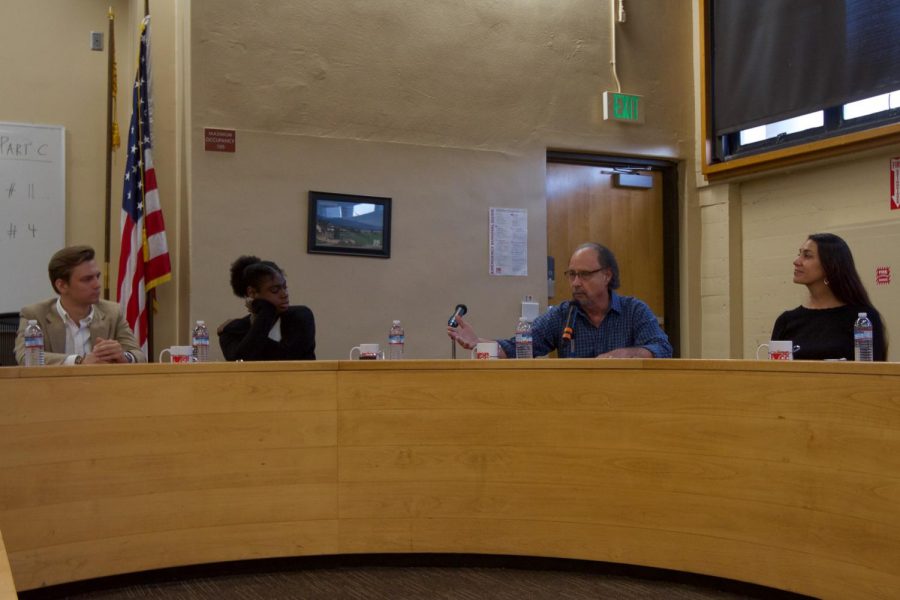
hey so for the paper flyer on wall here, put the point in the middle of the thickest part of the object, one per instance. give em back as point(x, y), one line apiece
point(509, 241)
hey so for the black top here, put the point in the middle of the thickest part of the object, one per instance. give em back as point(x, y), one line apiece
point(827, 332)
point(248, 339)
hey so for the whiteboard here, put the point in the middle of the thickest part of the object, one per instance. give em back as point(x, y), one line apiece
point(32, 210)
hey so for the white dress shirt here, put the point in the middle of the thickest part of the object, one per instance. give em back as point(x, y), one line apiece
point(78, 335)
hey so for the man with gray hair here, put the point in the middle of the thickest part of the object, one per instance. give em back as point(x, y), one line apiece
point(596, 322)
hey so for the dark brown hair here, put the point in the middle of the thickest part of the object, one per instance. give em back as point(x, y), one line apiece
point(250, 271)
point(843, 279)
point(64, 262)
point(840, 270)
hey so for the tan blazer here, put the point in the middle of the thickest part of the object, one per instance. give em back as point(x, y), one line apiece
point(108, 323)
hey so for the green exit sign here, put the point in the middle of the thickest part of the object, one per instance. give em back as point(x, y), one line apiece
point(627, 108)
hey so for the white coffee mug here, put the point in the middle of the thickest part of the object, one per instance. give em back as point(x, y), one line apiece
point(367, 352)
point(485, 351)
point(179, 354)
point(778, 350)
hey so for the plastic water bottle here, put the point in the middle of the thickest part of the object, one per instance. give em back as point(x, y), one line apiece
point(34, 345)
point(862, 338)
point(200, 342)
point(524, 345)
point(396, 339)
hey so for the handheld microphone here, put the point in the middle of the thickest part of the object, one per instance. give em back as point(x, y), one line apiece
point(459, 311)
point(568, 331)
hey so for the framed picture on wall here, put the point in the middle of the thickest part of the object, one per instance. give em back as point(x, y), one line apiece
point(349, 224)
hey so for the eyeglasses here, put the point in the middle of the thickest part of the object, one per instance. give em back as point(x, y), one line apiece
point(583, 275)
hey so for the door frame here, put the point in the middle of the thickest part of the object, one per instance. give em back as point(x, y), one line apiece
point(671, 220)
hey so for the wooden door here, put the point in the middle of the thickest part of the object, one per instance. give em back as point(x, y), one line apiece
point(583, 205)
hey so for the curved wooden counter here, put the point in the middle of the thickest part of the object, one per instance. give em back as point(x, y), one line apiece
point(7, 588)
point(781, 474)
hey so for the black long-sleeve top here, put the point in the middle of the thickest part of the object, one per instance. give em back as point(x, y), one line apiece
point(248, 338)
point(827, 333)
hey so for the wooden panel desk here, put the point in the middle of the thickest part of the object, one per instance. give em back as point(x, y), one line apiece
point(782, 474)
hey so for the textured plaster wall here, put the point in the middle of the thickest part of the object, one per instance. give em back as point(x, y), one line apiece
point(471, 74)
point(448, 107)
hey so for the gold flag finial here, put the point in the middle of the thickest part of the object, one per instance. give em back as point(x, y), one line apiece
point(114, 84)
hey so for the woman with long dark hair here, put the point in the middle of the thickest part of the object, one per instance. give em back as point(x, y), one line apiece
point(822, 326)
point(274, 330)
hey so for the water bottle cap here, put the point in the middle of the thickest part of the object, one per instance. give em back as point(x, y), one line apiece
point(201, 323)
point(862, 314)
point(396, 321)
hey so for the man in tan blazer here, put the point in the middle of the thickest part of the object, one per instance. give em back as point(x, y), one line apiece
point(79, 327)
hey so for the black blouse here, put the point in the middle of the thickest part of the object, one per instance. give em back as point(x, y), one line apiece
point(248, 338)
point(827, 333)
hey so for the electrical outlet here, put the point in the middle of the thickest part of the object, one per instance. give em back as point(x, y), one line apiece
point(97, 41)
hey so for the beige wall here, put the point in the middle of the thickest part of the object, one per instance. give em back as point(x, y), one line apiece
point(439, 241)
point(52, 77)
point(849, 197)
point(752, 231)
point(446, 107)
point(749, 230)
point(721, 292)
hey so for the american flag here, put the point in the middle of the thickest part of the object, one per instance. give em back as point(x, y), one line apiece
point(144, 259)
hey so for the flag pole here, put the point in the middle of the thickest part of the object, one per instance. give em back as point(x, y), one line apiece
point(151, 295)
point(110, 91)
point(144, 261)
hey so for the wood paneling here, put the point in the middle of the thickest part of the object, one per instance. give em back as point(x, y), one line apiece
point(105, 470)
point(785, 475)
point(584, 206)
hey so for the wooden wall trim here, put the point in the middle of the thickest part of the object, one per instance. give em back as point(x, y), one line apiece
point(804, 153)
